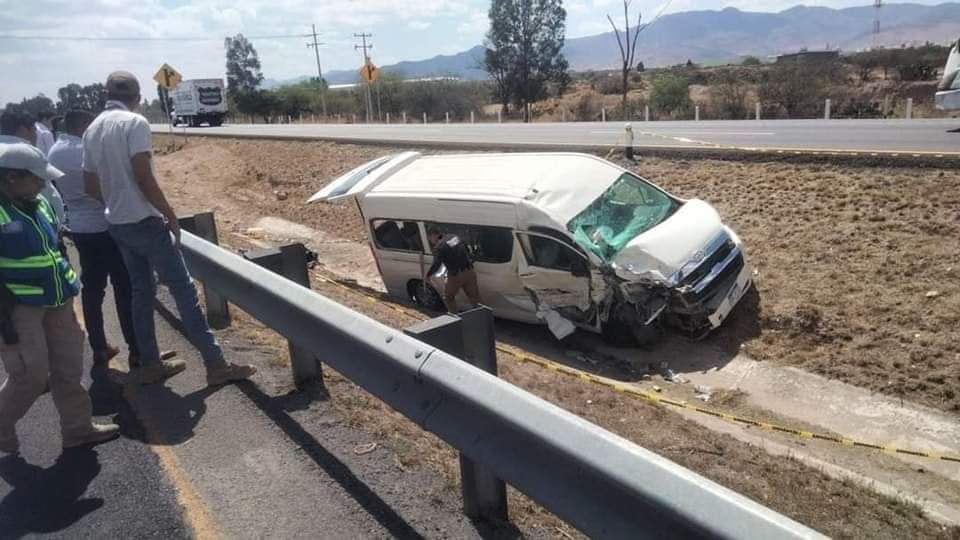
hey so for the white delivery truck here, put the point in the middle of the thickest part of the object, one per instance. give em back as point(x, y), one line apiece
point(199, 101)
point(948, 92)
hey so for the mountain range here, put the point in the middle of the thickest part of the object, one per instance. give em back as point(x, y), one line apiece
point(711, 37)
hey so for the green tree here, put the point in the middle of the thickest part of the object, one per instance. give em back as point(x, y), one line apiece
point(243, 74)
point(34, 105)
point(751, 61)
point(670, 93)
point(526, 39)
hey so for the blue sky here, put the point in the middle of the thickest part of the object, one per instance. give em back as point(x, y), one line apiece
point(402, 29)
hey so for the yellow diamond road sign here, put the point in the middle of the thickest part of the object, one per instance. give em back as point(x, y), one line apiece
point(370, 72)
point(167, 77)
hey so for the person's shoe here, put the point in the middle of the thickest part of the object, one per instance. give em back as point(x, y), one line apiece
point(9, 444)
point(102, 358)
point(229, 373)
point(98, 433)
point(134, 361)
point(162, 371)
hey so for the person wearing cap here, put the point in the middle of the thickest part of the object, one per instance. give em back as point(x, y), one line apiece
point(19, 126)
point(100, 257)
point(44, 128)
point(42, 341)
point(118, 170)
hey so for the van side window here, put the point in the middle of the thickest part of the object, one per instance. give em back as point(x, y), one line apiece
point(399, 235)
point(486, 244)
point(548, 253)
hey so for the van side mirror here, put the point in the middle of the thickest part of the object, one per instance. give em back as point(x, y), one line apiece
point(579, 268)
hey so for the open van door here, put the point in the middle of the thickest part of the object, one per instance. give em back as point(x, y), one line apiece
point(557, 276)
point(363, 178)
point(948, 92)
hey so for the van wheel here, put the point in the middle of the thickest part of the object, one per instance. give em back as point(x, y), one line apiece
point(425, 295)
point(623, 329)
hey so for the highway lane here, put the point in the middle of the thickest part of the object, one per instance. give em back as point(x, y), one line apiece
point(907, 136)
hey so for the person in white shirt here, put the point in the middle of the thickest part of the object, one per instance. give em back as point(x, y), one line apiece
point(118, 170)
point(19, 126)
point(43, 126)
point(100, 257)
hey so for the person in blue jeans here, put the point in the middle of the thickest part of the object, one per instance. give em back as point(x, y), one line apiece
point(118, 170)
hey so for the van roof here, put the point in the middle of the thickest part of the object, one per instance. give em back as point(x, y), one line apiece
point(560, 183)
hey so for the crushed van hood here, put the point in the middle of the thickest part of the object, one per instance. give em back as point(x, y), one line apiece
point(660, 253)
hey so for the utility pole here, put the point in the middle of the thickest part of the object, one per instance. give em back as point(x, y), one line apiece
point(877, 6)
point(316, 49)
point(366, 60)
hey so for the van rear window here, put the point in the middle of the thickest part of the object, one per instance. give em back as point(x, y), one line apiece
point(398, 235)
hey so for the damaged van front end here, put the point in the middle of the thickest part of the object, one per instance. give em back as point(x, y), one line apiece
point(665, 262)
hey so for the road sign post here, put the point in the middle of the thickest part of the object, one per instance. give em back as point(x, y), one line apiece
point(168, 78)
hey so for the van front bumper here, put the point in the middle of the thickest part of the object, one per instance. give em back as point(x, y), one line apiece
point(733, 296)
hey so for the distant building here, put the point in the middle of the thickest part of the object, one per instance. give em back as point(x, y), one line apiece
point(808, 56)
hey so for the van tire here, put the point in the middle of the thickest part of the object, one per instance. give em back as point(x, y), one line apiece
point(428, 298)
point(620, 331)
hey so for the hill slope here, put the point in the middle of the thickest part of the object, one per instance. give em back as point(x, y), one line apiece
point(719, 36)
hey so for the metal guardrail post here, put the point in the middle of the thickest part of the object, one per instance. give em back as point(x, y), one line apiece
point(290, 261)
point(696, 113)
point(909, 114)
point(204, 225)
point(484, 494)
point(826, 109)
point(470, 336)
point(757, 107)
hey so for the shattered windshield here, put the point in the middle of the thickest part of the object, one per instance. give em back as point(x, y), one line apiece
point(630, 207)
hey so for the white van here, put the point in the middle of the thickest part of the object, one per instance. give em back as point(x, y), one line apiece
point(948, 91)
point(570, 240)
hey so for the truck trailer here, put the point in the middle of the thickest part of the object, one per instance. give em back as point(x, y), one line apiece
point(199, 101)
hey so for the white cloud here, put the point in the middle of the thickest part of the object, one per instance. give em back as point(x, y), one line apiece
point(418, 25)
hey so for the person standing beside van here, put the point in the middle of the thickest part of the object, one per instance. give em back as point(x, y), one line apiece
point(450, 251)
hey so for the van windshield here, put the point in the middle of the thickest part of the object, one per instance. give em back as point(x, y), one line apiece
point(630, 207)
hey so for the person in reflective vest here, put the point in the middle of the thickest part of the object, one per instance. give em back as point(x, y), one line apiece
point(42, 341)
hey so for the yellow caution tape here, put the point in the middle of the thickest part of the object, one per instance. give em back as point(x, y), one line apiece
point(653, 397)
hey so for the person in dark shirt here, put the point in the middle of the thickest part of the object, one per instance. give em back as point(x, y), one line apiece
point(450, 251)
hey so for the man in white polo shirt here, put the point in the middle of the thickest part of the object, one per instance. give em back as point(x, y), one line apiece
point(118, 170)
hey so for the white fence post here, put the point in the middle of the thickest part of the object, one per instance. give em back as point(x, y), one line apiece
point(696, 113)
point(909, 108)
point(499, 116)
point(826, 110)
point(447, 117)
point(758, 110)
point(388, 118)
point(404, 115)
point(603, 114)
point(563, 115)
point(472, 118)
point(301, 118)
point(646, 113)
point(424, 118)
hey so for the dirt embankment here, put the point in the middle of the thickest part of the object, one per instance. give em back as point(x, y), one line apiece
point(858, 267)
point(246, 180)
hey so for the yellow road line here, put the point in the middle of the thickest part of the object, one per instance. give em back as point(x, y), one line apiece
point(195, 511)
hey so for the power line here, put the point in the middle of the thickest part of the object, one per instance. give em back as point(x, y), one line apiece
point(172, 38)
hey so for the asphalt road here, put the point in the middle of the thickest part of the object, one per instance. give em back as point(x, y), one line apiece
point(114, 490)
point(906, 136)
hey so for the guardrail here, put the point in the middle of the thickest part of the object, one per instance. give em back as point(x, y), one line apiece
point(602, 484)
